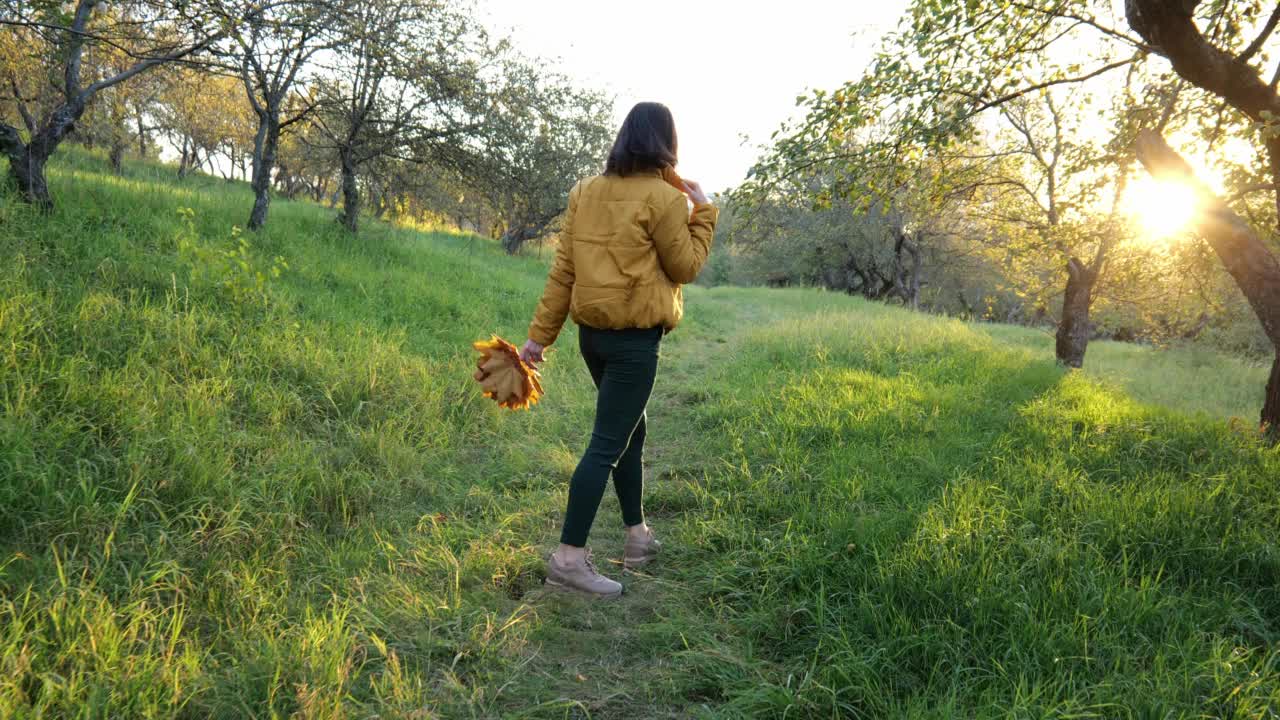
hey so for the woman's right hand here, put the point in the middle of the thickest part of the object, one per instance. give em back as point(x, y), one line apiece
point(695, 192)
point(531, 353)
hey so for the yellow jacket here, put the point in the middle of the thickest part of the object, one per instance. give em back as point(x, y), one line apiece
point(627, 245)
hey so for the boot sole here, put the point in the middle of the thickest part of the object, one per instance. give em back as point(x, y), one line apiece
point(569, 588)
point(631, 563)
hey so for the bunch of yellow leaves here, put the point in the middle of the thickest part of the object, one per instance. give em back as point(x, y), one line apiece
point(504, 377)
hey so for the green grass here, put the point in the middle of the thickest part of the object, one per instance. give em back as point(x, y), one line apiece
point(213, 505)
point(1189, 378)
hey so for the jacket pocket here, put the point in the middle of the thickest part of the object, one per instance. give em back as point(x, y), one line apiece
point(600, 307)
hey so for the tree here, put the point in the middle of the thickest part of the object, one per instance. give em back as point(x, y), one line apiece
point(201, 113)
point(119, 115)
point(302, 164)
point(951, 63)
point(944, 93)
point(905, 197)
point(1227, 73)
point(407, 87)
point(541, 136)
point(841, 247)
point(818, 225)
point(272, 46)
point(1043, 203)
point(151, 32)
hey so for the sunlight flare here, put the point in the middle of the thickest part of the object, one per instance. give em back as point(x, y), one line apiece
point(1161, 209)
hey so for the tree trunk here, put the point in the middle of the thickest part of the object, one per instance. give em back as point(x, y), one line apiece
point(1245, 257)
point(515, 238)
point(142, 136)
point(265, 143)
point(522, 232)
point(26, 171)
point(350, 216)
point(116, 156)
point(27, 160)
point(183, 160)
point(1073, 330)
point(1271, 405)
point(906, 276)
point(878, 284)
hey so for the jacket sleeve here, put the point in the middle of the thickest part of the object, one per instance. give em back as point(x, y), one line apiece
point(552, 309)
point(684, 240)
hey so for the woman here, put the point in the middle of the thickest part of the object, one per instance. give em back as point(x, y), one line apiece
point(629, 240)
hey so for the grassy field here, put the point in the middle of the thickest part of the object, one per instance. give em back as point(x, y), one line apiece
point(225, 493)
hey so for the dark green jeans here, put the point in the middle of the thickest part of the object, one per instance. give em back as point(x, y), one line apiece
point(623, 364)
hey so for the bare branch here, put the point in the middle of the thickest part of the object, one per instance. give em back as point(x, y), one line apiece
point(301, 115)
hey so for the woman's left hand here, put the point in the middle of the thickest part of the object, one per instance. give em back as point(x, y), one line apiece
point(531, 353)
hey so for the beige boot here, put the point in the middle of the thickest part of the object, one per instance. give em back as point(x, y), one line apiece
point(582, 577)
point(639, 551)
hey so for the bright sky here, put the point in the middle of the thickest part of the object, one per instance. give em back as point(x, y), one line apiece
point(726, 69)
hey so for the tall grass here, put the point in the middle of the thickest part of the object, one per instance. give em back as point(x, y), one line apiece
point(225, 495)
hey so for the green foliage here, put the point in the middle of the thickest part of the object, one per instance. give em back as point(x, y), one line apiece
point(1003, 133)
point(542, 136)
point(244, 278)
point(309, 511)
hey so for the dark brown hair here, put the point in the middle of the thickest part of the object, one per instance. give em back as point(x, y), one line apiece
point(646, 141)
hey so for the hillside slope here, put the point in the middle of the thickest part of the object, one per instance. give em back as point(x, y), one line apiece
point(225, 493)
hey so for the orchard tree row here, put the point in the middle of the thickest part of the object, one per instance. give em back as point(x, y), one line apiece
point(1006, 140)
point(408, 108)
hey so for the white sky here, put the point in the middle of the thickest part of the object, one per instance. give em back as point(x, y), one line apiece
point(726, 69)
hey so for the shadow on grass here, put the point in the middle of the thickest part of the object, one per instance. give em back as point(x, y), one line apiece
point(922, 525)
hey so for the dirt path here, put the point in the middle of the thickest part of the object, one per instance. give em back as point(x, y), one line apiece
point(597, 659)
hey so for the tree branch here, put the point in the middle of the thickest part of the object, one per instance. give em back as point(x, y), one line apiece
point(1081, 20)
point(81, 33)
point(75, 50)
point(1060, 81)
point(10, 140)
point(29, 121)
point(148, 64)
point(301, 115)
point(250, 87)
point(1176, 37)
point(1248, 190)
point(1267, 29)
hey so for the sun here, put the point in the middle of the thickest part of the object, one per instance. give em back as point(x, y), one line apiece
point(1161, 209)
